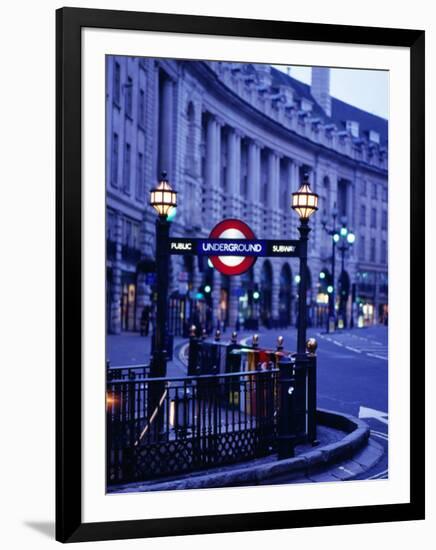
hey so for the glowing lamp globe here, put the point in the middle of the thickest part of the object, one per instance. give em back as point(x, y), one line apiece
point(163, 198)
point(304, 201)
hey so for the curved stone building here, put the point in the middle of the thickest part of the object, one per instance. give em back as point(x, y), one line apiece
point(235, 140)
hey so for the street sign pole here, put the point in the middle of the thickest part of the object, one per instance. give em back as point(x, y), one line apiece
point(159, 359)
point(304, 230)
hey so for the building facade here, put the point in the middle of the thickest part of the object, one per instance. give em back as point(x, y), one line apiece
point(235, 140)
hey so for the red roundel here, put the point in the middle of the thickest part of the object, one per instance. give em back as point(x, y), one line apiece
point(232, 229)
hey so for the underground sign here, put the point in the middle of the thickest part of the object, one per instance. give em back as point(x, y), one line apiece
point(235, 231)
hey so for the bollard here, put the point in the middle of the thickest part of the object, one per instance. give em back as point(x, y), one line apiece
point(255, 341)
point(203, 334)
point(286, 422)
point(193, 352)
point(234, 337)
point(311, 346)
point(217, 335)
point(279, 343)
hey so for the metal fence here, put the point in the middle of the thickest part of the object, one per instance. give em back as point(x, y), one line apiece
point(166, 426)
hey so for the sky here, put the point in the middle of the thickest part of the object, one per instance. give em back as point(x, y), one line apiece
point(366, 89)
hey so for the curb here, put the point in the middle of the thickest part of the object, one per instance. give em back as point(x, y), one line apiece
point(357, 437)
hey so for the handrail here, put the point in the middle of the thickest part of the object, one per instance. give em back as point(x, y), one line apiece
point(194, 378)
point(111, 367)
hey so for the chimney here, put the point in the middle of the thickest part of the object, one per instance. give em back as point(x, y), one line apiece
point(320, 88)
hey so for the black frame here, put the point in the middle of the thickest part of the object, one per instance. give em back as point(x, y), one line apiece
point(69, 22)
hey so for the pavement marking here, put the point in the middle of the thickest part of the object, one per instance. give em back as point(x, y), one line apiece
point(366, 412)
point(353, 349)
point(380, 475)
point(358, 344)
point(381, 435)
point(346, 470)
point(377, 356)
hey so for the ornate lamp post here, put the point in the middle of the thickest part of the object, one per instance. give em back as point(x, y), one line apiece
point(162, 198)
point(335, 237)
point(347, 239)
point(305, 203)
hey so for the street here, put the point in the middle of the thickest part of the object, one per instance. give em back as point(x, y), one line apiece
point(352, 372)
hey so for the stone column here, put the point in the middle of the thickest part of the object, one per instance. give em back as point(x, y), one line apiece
point(116, 290)
point(233, 170)
point(253, 183)
point(274, 212)
point(212, 171)
point(166, 127)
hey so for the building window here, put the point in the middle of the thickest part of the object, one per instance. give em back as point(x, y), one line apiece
point(384, 219)
point(127, 232)
point(374, 191)
point(129, 95)
point(373, 217)
point(111, 226)
point(126, 169)
point(353, 127)
point(139, 176)
point(362, 248)
point(363, 215)
point(117, 83)
point(141, 108)
point(135, 235)
point(363, 188)
point(342, 197)
point(385, 194)
point(114, 160)
point(306, 105)
point(383, 251)
point(374, 136)
point(372, 253)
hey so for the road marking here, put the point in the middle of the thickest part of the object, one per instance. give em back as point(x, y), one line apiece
point(353, 349)
point(379, 475)
point(366, 412)
point(377, 356)
point(383, 435)
point(346, 470)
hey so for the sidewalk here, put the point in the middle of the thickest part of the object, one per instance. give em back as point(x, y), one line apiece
point(129, 348)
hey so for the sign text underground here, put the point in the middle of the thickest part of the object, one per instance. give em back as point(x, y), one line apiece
point(233, 247)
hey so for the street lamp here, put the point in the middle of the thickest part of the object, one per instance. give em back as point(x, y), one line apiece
point(305, 203)
point(162, 198)
point(293, 372)
point(347, 240)
point(335, 237)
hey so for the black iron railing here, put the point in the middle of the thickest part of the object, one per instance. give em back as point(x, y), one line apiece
point(127, 372)
point(165, 426)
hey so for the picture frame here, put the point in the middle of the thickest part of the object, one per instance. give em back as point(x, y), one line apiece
point(70, 22)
